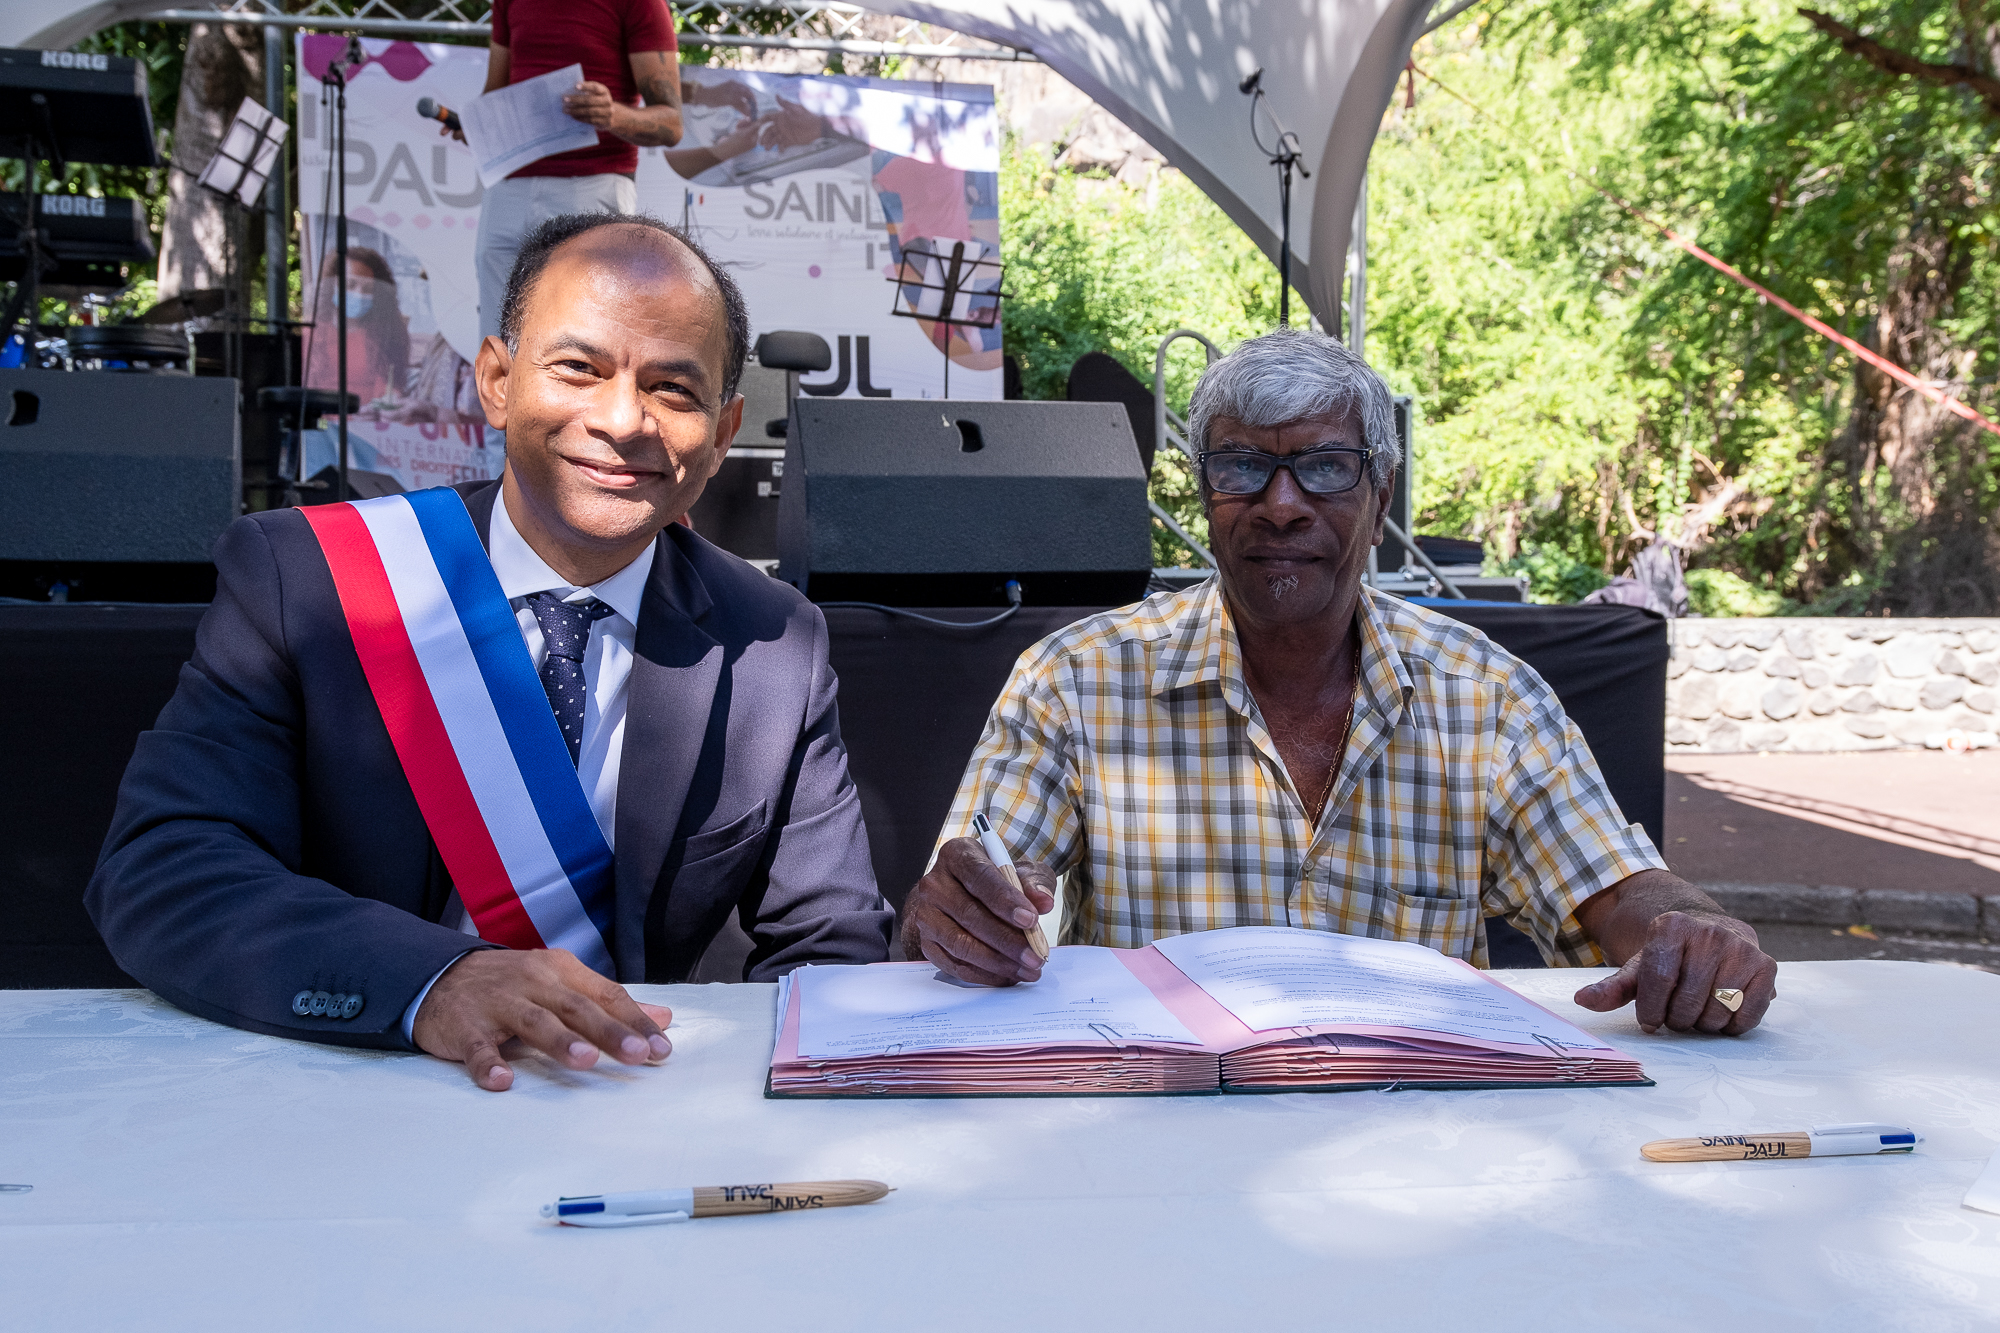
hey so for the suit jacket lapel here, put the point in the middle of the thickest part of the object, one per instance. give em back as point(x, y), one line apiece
point(675, 669)
point(480, 497)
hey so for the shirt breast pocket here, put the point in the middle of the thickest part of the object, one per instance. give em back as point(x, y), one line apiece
point(1438, 920)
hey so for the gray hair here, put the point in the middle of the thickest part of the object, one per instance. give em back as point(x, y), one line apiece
point(1290, 374)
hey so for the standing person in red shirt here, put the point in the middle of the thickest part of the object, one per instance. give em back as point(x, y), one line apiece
point(631, 91)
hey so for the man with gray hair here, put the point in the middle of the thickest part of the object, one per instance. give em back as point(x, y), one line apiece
point(1282, 745)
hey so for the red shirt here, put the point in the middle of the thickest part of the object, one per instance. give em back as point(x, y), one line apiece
point(543, 35)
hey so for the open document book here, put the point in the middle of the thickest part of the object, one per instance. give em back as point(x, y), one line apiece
point(1253, 1009)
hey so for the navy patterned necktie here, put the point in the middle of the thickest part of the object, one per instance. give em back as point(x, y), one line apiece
point(565, 635)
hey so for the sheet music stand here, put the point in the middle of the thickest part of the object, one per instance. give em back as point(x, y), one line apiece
point(935, 286)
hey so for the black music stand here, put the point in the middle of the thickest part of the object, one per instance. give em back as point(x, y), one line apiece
point(236, 172)
point(955, 276)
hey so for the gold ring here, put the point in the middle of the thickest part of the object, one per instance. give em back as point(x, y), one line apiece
point(1729, 998)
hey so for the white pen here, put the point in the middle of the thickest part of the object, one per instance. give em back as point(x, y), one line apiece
point(1819, 1141)
point(996, 852)
point(645, 1208)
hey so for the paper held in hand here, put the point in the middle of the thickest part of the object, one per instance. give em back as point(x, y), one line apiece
point(1255, 1008)
point(524, 122)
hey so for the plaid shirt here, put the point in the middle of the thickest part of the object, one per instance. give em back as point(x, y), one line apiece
point(1127, 752)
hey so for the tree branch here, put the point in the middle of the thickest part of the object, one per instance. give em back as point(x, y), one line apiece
point(1897, 62)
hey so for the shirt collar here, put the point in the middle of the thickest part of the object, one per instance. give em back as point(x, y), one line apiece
point(522, 573)
point(1204, 647)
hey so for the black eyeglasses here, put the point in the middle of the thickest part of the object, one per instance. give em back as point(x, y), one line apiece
point(1319, 471)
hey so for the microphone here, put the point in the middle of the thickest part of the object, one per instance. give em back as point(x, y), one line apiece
point(1251, 81)
point(428, 108)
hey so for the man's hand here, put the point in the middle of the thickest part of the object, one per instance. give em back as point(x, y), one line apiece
point(1677, 947)
point(497, 1002)
point(593, 104)
point(971, 923)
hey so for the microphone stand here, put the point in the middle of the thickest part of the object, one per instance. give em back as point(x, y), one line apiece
point(336, 75)
point(1285, 157)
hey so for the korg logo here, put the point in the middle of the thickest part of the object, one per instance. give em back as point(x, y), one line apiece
point(74, 60)
point(70, 205)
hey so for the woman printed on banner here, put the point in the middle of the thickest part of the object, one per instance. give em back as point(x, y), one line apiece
point(378, 335)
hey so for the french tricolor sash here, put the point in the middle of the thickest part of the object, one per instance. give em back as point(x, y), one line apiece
point(470, 721)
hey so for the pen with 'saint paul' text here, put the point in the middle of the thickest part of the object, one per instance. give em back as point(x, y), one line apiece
point(642, 1208)
point(1819, 1141)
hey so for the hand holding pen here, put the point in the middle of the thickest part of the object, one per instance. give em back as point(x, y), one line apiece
point(976, 915)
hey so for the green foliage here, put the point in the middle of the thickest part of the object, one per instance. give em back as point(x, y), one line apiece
point(1097, 265)
point(1555, 576)
point(1486, 307)
point(1586, 383)
point(1717, 592)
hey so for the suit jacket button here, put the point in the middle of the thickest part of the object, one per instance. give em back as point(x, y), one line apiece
point(302, 1003)
point(320, 1001)
point(351, 1006)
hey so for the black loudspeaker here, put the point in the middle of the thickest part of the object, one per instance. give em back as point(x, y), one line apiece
point(1099, 378)
point(738, 509)
point(97, 466)
point(940, 502)
point(264, 361)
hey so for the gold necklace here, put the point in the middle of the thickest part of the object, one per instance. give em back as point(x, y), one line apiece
point(1346, 732)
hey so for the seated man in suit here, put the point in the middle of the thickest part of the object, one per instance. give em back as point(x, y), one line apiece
point(1283, 746)
point(420, 729)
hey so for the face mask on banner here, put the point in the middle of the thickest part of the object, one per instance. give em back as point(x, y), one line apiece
point(359, 303)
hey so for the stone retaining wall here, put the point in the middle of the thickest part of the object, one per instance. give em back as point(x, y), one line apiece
point(1813, 685)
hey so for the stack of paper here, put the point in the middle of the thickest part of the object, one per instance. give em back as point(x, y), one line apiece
point(1251, 1009)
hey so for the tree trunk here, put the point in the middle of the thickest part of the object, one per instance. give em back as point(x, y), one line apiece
point(1940, 562)
point(224, 64)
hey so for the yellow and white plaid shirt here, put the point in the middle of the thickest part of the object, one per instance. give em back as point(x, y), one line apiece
point(1127, 752)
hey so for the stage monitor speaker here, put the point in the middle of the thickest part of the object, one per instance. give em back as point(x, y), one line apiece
point(939, 502)
point(100, 466)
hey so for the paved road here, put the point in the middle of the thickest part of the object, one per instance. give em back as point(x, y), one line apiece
point(1805, 944)
point(1912, 820)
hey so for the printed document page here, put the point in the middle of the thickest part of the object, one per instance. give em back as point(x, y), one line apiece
point(1279, 977)
point(524, 122)
point(1086, 997)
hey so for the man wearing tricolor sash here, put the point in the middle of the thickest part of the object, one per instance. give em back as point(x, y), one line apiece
point(447, 767)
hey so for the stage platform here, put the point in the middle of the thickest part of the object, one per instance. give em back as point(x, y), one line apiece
point(84, 680)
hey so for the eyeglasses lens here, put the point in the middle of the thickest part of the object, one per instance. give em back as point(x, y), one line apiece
point(1327, 472)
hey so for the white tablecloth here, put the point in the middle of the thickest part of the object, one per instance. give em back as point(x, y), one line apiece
point(189, 1176)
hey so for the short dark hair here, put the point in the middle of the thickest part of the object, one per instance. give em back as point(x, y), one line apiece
point(543, 242)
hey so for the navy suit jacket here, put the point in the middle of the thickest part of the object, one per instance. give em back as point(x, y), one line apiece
point(267, 844)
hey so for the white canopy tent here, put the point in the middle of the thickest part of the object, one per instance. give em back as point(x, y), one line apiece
point(1168, 68)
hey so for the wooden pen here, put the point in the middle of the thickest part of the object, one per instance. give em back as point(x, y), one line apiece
point(997, 852)
point(1819, 1141)
point(652, 1207)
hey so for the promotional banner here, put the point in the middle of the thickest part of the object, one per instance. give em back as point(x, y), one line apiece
point(852, 208)
point(410, 289)
point(863, 210)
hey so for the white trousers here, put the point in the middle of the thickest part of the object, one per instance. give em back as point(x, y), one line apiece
point(519, 204)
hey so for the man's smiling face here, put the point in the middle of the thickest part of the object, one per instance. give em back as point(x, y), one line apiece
point(612, 399)
point(1289, 556)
